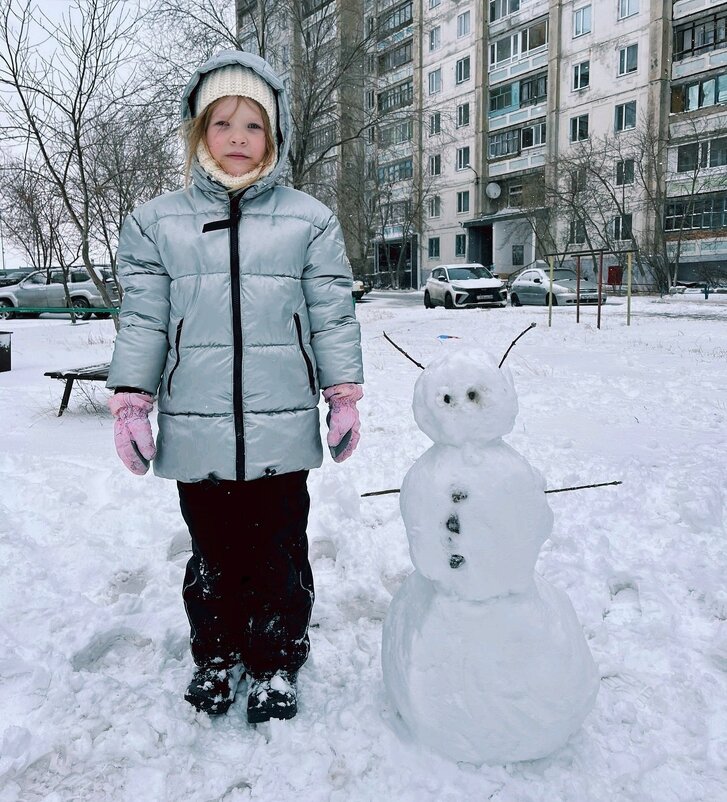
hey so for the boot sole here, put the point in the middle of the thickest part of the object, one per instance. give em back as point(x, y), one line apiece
point(261, 716)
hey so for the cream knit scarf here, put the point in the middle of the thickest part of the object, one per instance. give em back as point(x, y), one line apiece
point(232, 182)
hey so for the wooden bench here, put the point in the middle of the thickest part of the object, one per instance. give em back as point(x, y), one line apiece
point(95, 373)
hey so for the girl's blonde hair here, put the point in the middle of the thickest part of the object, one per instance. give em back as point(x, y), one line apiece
point(194, 131)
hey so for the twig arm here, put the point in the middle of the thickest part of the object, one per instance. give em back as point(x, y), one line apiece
point(531, 326)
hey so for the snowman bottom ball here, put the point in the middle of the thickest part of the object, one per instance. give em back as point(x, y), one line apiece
point(495, 681)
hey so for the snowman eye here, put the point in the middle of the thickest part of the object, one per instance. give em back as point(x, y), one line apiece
point(473, 395)
point(447, 398)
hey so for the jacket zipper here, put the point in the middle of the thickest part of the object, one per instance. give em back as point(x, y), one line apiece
point(235, 202)
point(308, 363)
point(177, 340)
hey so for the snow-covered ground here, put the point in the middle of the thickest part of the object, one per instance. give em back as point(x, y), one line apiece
point(93, 638)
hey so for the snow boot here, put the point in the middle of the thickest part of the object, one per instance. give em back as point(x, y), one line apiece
point(212, 690)
point(272, 696)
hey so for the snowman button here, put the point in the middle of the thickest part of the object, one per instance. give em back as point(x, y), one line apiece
point(458, 495)
point(456, 560)
point(453, 523)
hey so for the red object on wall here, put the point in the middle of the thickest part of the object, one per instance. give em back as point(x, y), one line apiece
point(615, 275)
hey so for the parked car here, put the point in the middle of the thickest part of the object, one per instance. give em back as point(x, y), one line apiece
point(41, 289)
point(360, 288)
point(460, 286)
point(532, 286)
point(8, 277)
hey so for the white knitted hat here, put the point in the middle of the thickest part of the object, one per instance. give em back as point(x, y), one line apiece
point(234, 79)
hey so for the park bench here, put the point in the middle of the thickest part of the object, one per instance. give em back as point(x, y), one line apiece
point(96, 373)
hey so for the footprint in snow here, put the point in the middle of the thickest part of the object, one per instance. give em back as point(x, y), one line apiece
point(120, 640)
point(625, 602)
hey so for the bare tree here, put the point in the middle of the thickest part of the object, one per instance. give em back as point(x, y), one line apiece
point(31, 211)
point(61, 79)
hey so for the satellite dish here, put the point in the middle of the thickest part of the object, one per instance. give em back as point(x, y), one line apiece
point(492, 190)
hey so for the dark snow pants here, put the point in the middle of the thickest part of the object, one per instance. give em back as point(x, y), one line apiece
point(248, 590)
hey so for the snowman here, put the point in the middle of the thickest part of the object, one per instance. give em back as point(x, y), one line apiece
point(483, 659)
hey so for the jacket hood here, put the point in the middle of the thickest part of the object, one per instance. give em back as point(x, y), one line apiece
point(283, 134)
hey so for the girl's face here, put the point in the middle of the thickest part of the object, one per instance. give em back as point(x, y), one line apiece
point(235, 135)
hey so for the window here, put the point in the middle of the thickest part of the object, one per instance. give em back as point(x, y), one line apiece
point(533, 90)
point(397, 96)
point(396, 133)
point(397, 18)
point(463, 24)
point(582, 21)
point(695, 156)
point(435, 206)
point(703, 211)
point(435, 123)
point(370, 99)
point(435, 81)
point(391, 59)
point(463, 202)
point(628, 58)
point(518, 255)
point(698, 95)
point(576, 232)
point(504, 49)
point(625, 116)
point(463, 115)
point(624, 172)
point(435, 164)
point(396, 212)
point(501, 8)
point(434, 3)
point(532, 135)
point(701, 36)
point(463, 158)
point(433, 247)
point(435, 38)
point(515, 195)
point(501, 97)
point(462, 70)
point(718, 152)
point(578, 179)
point(627, 8)
point(395, 171)
point(534, 37)
point(504, 144)
point(581, 75)
point(622, 227)
point(460, 245)
point(579, 128)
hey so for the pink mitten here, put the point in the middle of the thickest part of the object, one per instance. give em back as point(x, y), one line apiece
point(132, 430)
point(343, 420)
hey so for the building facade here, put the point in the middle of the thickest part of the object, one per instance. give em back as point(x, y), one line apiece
point(504, 131)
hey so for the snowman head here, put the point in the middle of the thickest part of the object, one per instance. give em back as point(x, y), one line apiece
point(464, 398)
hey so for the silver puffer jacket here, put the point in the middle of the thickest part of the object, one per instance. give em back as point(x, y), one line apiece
point(237, 309)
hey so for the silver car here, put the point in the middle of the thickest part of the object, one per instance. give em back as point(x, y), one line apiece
point(458, 286)
point(532, 286)
point(43, 289)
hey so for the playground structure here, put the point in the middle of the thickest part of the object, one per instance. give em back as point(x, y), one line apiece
point(614, 278)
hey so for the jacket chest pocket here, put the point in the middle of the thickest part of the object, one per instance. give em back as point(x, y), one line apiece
point(177, 340)
point(306, 358)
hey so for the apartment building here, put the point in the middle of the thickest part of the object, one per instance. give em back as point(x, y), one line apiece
point(599, 123)
point(696, 206)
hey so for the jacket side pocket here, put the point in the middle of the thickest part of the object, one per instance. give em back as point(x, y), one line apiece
point(308, 363)
point(177, 340)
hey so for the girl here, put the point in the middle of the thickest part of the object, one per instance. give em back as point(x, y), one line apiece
point(237, 309)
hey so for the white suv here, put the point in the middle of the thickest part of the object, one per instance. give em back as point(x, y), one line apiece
point(459, 286)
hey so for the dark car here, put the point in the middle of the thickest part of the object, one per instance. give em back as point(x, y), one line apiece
point(8, 277)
